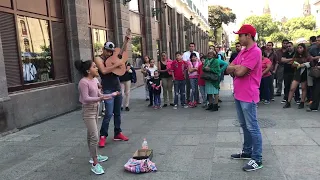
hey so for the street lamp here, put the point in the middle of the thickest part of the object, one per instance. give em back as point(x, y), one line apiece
point(125, 2)
point(156, 11)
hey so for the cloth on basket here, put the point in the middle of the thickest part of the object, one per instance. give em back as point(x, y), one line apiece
point(140, 166)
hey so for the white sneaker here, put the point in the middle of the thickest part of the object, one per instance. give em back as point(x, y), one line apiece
point(175, 106)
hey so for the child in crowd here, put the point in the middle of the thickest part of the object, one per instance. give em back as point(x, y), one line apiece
point(90, 96)
point(150, 73)
point(178, 68)
point(202, 83)
point(193, 66)
point(156, 84)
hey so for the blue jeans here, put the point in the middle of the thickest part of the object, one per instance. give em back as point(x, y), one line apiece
point(194, 95)
point(247, 115)
point(157, 99)
point(265, 88)
point(113, 108)
point(180, 88)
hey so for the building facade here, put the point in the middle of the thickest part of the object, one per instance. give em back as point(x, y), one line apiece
point(317, 15)
point(39, 44)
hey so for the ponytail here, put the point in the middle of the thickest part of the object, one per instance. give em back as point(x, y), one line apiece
point(83, 66)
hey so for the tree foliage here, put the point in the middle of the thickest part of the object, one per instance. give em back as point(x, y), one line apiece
point(264, 25)
point(298, 23)
point(219, 15)
point(302, 33)
point(277, 37)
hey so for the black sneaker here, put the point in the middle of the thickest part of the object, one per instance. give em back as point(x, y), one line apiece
point(283, 101)
point(147, 99)
point(301, 105)
point(171, 104)
point(287, 105)
point(127, 109)
point(298, 102)
point(241, 156)
point(219, 101)
point(121, 108)
point(278, 94)
point(165, 105)
point(252, 165)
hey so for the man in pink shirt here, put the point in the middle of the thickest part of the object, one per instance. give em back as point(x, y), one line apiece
point(247, 72)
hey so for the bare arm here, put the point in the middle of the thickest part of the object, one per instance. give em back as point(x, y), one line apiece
point(267, 69)
point(230, 69)
point(102, 68)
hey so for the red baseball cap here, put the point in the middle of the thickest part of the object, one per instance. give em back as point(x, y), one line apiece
point(247, 29)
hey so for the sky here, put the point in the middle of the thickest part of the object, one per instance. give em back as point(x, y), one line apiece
point(245, 8)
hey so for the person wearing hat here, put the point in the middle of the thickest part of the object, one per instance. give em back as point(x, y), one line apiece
point(110, 83)
point(246, 69)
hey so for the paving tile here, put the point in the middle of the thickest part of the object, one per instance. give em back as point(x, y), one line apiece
point(288, 137)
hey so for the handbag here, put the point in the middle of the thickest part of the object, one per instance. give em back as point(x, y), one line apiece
point(314, 72)
point(209, 76)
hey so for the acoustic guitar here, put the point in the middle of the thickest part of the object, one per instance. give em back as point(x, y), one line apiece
point(120, 54)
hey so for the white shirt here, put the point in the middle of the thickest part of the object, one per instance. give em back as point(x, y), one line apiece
point(29, 72)
point(152, 70)
point(186, 55)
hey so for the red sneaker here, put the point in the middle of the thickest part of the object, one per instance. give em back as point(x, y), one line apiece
point(102, 141)
point(120, 137)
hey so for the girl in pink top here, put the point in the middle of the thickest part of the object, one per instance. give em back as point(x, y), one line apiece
point(265, 91)
point(193, 66)
point(90, 96)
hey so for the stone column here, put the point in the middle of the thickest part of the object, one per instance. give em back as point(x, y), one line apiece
point(3, 80)
point(164, 28)
point(174, 32)
point(150, 25)
point(182, 34)
point(78, 34)
point(121, 22)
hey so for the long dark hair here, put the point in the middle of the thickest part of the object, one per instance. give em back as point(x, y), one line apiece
point(83, 66)
point(301, 57)
point(192, 55)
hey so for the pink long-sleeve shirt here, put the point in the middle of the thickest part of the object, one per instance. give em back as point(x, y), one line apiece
point(89, 91)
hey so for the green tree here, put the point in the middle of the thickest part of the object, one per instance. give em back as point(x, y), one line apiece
point(277, 37)
point(219, 15)
point(302, 33)
point(293, 24)
point(264, 25)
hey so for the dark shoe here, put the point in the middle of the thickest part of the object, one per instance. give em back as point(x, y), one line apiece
point(287, 105)
point(301, 105)
point(147, 99)
point(215, 107)
point(121, 108)
point(283, 101)
point(150, 105)
point(312, 110)
point(171, 104)
point(127, 109)
point(298, 102)
point(278, 94)
point(210, 107)
point(252, 165)
point(219, 101)
point(165, 105)
point(241, 156)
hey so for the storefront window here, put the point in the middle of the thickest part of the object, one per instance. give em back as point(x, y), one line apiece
point(35, 49)
point(134, 6)
point(137, 60)
point(99, 38)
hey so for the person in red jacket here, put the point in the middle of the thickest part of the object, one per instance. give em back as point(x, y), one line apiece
point(179, 68)
point(202, 83)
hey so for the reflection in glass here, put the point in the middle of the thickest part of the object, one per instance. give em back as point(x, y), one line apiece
point(99, 38)
point(136, 43)
point(134, 5)
point(35, 49)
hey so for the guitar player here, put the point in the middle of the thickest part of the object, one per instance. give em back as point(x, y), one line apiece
point(110, 83)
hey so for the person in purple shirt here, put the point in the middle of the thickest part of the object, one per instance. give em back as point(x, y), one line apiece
point(247, 72)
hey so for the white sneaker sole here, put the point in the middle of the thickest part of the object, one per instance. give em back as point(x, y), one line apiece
point(97, 173)
point(249, 170)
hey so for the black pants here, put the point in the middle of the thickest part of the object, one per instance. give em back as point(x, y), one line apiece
point(309, 93)
point(151, 98)
point(271, 87)
point(288, 77)
point(316, 94)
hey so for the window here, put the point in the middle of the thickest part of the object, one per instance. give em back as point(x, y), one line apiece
point(136, 44)
point(99, 38)
point(134, 6)
point(34, 40)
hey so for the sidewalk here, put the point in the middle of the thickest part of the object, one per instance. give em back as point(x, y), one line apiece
point(188, 144)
